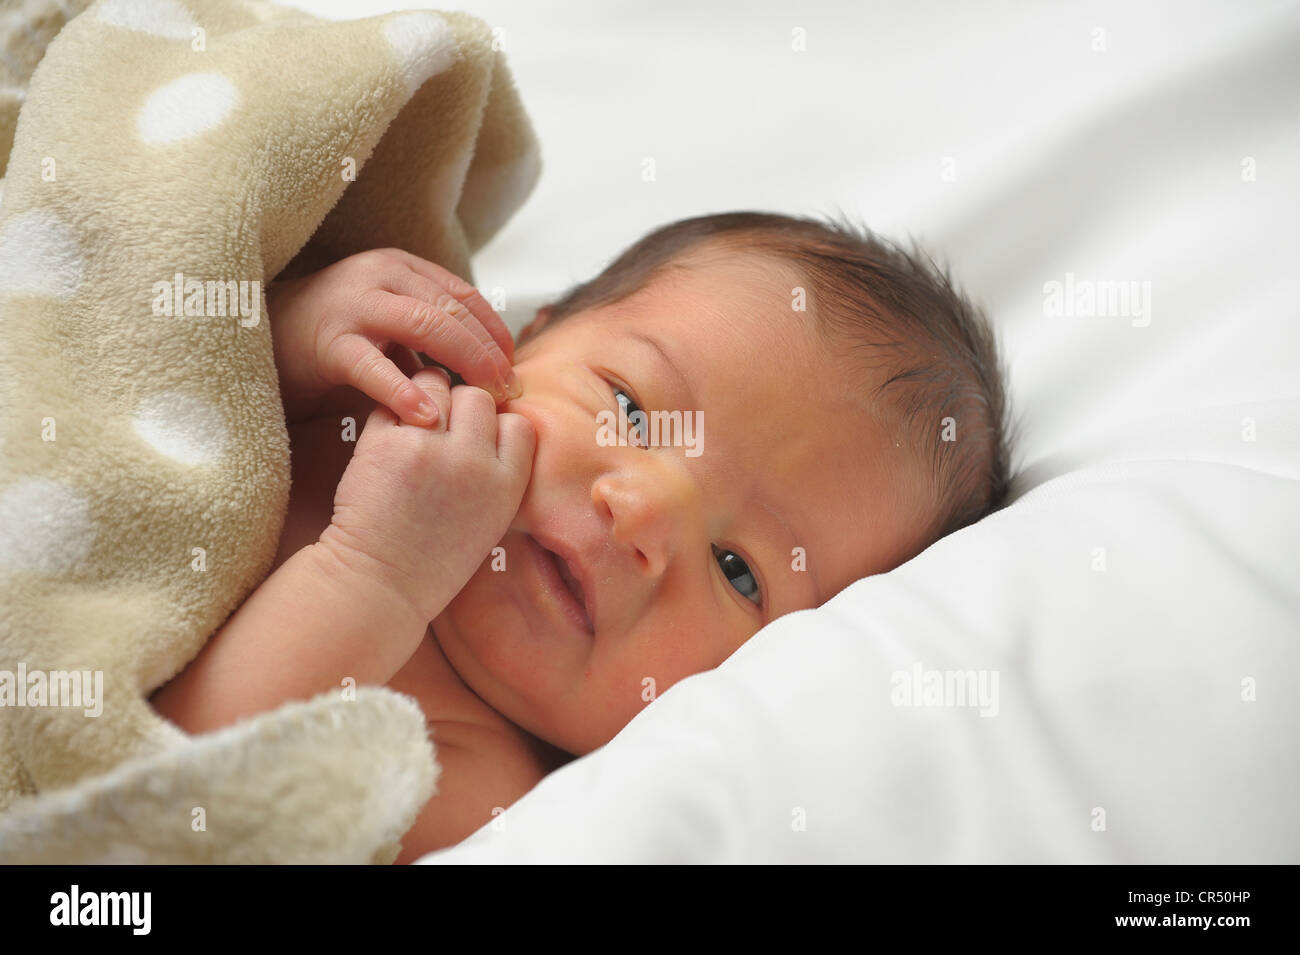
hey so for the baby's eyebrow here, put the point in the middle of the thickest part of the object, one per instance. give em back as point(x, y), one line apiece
point(668, 360)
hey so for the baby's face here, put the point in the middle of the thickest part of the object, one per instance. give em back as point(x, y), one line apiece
point(786, 492)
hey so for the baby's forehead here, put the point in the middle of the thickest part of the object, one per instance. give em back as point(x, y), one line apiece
point(746, 343)
point(745, 277)
point(731, 312)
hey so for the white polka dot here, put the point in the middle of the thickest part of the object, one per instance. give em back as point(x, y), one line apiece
point(184, 428)
point(424, 45)
point(44, 526)
point(39, 256)
point(155, 17)
point(186, 107)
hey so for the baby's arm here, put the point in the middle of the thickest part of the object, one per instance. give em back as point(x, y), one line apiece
point(322, 616)
point(417, 511)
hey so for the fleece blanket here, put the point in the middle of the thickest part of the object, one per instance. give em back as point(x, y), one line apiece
point(168, 160)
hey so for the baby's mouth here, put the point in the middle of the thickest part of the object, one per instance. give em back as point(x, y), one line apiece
point(554, 551)
point(571, 582)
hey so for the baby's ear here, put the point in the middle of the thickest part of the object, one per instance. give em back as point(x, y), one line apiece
point(539, 322)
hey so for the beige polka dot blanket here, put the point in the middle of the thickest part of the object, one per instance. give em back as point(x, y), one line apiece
point(169, 158)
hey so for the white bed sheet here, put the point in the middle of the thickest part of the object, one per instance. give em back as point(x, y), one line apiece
point(1173, 446)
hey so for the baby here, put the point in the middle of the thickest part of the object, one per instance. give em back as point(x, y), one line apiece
point(525, 555)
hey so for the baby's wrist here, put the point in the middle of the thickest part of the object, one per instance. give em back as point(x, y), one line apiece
point(382, 584)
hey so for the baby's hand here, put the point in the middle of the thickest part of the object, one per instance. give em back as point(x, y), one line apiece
point(422, 507)
point(331, 328)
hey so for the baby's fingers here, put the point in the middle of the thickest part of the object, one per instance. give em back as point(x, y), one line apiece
point(451, 335)
point(359, 363)
point(431, 281)
point(436, 384)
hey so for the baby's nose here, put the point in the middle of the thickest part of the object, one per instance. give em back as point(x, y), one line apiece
point(645, 514)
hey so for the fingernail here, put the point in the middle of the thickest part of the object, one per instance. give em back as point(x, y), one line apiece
point(513, 388)
point(428, 410)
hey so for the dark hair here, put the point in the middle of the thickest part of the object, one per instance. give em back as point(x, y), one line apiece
point(933, 353)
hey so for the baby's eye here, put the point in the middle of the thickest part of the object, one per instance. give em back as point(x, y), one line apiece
point(636, 418)
point(738, 574)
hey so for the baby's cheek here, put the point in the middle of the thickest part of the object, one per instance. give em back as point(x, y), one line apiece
point(695, 641)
